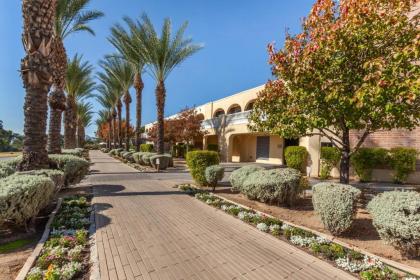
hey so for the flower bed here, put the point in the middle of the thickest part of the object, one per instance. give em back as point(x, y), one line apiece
point(65, 254)
point(366, 267)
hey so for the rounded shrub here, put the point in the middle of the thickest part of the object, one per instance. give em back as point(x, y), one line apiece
point(336, 204)
point(198, 161)
point(280, 186)
point(366, 159)
point(148, 148)
point(330, 157)
point(23, 196)
point(164, 161)
point(238, 176)
point(145, 158)
point(403, 161)
point(214, 174)
point(296, 157)
point(396, 217)
point(6, 170)
point(137, 157)
point(128, 156)
point(57, 176)
point(74, 168)
point(213, 147)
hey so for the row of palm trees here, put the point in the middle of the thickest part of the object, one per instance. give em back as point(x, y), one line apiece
point(44, 69)
point(139, 49)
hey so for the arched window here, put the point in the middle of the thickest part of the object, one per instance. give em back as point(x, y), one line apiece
point(218, 113)
point(234, 109)
point(250, 105)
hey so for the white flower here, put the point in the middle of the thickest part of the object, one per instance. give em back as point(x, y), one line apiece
point(285, 227)
point(322, 240)
point(69, 270)
point(224, 207)
point(302, 241)
point(274, 228)
point(209, 201)
point(262, 227)
point(357, 266)
point(242, 215)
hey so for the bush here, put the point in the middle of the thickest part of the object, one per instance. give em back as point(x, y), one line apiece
point(336, 204)
point(164, 161)
point(403, 161)
point(128, 156)
point(214, 174)
point(296, 157)
point(113, 152)
point(6, 170)
point(198, 161)
point(145, 158)
point(281, 186)
point(105, 150)
point(179, 150)
point(396, 217)
point(74, 168)
point(238, 177)
point(366, 159)
point(23, 196)
point(74, 152)
point(146, 148)
point(137, 157)
point(330, 157)
point(57, 176)
point(213, 147)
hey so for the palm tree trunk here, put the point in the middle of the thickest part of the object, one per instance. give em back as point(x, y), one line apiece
point(138, 85)
point(70, 122)
point(57, 101)
point(160, 105)
point(119, 109)
point(80, 135)
point(127, 101)
point(36, 72)
point(109, 133)
point(114, 133)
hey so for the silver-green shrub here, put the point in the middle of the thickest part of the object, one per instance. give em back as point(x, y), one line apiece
point(163, 161)
point(145, 158)
point(6, 170)
point(128, 156)
point(137, 157)
point(396, 217)
point(280, 186)
point(74, 168)
point(214, 174)
point(23, 196)
point(57, 176)
point(238, 176)
point(74, 152)
point(336, 204)
point(113, 152)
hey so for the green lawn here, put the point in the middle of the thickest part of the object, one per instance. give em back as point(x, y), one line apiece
point(11, 246)
point(10, 154)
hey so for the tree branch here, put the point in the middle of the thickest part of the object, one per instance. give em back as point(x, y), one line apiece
point(361, 140)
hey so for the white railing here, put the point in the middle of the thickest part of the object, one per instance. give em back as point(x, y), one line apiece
point(226, 120)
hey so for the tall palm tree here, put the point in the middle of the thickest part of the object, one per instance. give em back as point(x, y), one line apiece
point(84, 119)
point(130, 47)
point(123, 73)
point(36, 70)
point(71, 17)
point(79, 85)
point(163, 54)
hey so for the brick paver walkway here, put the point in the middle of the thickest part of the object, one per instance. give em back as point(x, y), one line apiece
point(148, 230)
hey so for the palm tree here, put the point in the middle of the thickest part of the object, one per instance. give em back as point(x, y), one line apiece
point(79, 85)
point(122, 72)
point(105, 117)
point(36, 70)
point(71, 17)
point(131, 49)
point(84, 119)
point(163, 54)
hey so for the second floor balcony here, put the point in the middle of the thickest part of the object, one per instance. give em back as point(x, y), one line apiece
point(226, 120)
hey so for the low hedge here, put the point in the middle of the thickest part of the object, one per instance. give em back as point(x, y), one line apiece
point(74, 152)
point(6, 170)
point(396, 217)
point(366, 159)
point(403, 161)
point(336, 204)
point(214, 174)
point(296, 157)
point(74, 168)
point(57, 176)
point(23, 196)
point(238, 177)
point(280, 186)
point(330, 157)
point(145, 158)
point(146, 148)
point(164, 161)
point(128, 156)
point(105, 150)
point(198, 161)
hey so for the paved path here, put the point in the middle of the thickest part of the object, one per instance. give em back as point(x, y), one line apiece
point(148, 230)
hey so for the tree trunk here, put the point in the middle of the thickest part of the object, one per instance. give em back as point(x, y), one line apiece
point(109, 133)
point(80, 135)
point(127, 101)
point(160, 105)
point(119, 110)
point(36, 72)
point(345, 158)
point(57, 101)
point(70, 123)
point(114, 133)
point(138, 85)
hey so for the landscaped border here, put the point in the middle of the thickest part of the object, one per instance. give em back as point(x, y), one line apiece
point(220, 202)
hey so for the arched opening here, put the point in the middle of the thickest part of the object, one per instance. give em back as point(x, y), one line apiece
point(218, 113)
point(250, 105)
point(235, 108)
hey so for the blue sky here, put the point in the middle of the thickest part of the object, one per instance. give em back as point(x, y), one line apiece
point(235, 34)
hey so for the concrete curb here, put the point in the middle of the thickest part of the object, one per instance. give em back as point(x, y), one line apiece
point(390, 263)
point(94, 260)
point(38, 248)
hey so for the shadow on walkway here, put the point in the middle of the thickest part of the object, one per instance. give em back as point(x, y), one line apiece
point(118, 190)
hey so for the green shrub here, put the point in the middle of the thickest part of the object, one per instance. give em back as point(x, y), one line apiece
point(403, 161)
point(198, 161)
point(105, 150)
point(238, 177)
point(57, 176)
point(213, 147)
point(6, 170)
point(366, 159)
point(145, 158)
point(296, 157)
point(214, 174)
point(78, 152)
point(164, 161)
point(146, 148)
point(179, 150)
point(23, 196)
point(279, 186)
point(113, 152)
point(128, 156)
point(396, 217)
point(330, 157)
point(74, 168)
point(336, 204)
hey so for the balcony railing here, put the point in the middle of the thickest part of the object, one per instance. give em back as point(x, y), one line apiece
point(226, 120)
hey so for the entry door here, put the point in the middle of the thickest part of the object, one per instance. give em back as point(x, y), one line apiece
point(263, 147)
